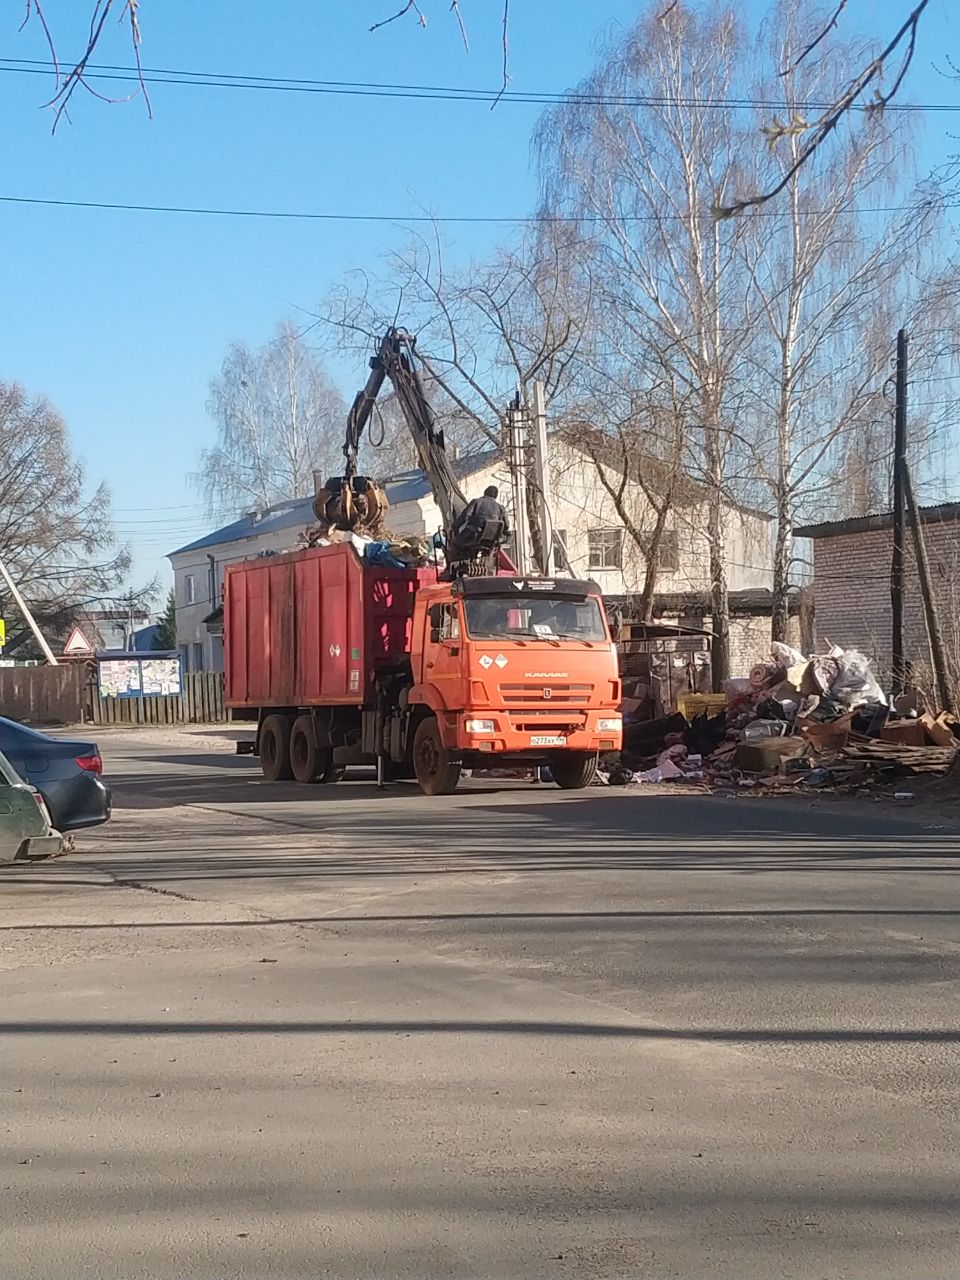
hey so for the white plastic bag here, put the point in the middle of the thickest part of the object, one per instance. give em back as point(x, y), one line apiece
point(785, 656)
point(855, 683)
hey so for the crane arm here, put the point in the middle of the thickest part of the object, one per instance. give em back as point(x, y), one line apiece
point(357, 502)
point(395, 360)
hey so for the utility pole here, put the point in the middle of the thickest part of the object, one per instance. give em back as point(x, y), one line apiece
point(541, 474)
point(931, 616)
point(521, 531)
point(896, 568)
point(28, 616)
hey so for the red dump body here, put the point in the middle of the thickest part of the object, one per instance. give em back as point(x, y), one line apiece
point(311, 628)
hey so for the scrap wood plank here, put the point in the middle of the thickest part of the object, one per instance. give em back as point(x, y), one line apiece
point(920, 759)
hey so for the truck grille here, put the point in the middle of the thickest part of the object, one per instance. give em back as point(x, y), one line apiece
point(546, 726)
point(564, 694)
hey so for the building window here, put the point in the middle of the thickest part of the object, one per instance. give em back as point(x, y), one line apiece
point(605, 548)
point(190, 589)
point(216, 653)
point(198, 657)
point(668, 551)
point(560, 557)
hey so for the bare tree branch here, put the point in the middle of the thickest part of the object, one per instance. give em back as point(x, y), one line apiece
point(506, 53)
point(455, 9)
point(821, 129)
point(410, 6)
point(824, 32)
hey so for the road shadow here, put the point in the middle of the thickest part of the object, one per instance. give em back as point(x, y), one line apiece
point(498, 919)
point(575, 1030)
point(244, 784)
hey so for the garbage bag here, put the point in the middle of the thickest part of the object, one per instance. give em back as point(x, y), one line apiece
point(855, 683)
point(784, 655)
point(770, 709)
point(380, 554)
point(621, 776)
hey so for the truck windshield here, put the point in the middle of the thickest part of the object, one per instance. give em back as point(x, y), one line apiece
point(523, 616)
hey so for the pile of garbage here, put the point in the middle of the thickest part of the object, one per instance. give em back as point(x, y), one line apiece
point(391, 552)
point(820, 721)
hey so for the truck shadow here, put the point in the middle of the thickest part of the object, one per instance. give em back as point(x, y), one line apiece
point(243, 783)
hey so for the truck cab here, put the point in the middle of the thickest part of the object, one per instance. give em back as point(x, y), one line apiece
point(511, 671)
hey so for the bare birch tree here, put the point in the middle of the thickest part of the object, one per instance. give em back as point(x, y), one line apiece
point(640, 450)
point(644, 182)
point(825, 265)
point(278, 417)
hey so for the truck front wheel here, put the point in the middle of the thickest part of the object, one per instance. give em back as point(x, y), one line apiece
point(275, 749)
point(574, 769)
point(437, 769)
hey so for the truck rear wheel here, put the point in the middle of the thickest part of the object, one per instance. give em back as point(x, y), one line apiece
point(309, 762)
point(574, 769)
point(275, 749)
point(437, 769)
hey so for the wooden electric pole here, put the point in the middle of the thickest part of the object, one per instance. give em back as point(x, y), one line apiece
point(896, 568)
point(930, 612)
point(27, 615)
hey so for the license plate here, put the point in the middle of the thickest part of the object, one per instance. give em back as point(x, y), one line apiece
point(547, 741)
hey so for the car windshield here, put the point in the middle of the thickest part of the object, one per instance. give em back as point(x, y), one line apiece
point(534, 616)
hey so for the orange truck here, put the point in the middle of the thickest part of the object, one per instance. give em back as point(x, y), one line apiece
point(343, 662)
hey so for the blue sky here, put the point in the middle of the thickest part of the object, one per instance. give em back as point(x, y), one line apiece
point(121, 319)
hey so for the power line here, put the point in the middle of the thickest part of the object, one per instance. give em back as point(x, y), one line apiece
point(307, 215)
point(183, 506)
point(177, 521)
point(426, 92)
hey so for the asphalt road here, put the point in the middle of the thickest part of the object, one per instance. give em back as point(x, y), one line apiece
point(262, 1031)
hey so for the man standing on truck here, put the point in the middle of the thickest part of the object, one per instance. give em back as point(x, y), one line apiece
point(469, 527)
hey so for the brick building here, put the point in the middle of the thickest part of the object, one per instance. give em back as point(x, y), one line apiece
point(851, 584)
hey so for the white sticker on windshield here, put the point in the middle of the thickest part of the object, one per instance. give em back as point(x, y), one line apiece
point(543, 628)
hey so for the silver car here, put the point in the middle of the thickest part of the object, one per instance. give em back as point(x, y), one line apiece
point(25, 829)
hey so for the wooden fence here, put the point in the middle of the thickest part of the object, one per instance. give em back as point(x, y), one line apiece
point(201, 702)
point(44, 695)
point(68, 694)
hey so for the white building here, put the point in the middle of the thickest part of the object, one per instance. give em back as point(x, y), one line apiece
point(585, 522)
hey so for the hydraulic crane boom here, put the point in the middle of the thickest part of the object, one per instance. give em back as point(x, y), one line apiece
point(356, 502)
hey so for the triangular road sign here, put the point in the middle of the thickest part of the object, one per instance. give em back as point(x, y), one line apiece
point(77, 643)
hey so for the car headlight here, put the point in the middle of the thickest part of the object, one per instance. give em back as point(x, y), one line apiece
point(479, 726)
point(611, 725)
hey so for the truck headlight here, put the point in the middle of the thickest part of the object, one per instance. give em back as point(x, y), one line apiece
point(612, 724)
point(479, 726)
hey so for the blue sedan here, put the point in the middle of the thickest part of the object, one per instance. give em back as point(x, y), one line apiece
point(66, 772)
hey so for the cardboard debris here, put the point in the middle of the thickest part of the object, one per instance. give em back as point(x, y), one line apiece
point(827, 735)
point(767, 755)
point(909, 733)
point(940, 731)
